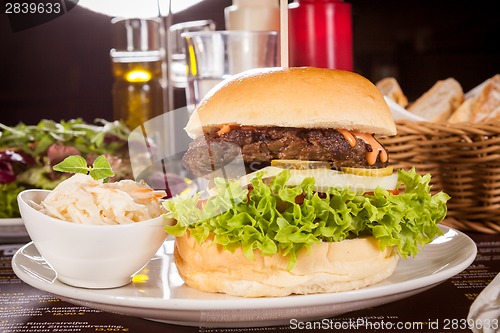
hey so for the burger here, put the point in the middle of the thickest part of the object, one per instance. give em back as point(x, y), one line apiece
point(318, 209)
point(307, 114)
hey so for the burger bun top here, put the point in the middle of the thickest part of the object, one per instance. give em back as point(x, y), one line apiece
point(301, 97)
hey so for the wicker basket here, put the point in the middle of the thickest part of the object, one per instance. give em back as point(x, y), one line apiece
point(463, 160)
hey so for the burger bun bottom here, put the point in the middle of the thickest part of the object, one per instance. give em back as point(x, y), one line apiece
point(323, 268)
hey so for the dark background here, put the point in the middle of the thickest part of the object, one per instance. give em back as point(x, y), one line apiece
point(62, 70)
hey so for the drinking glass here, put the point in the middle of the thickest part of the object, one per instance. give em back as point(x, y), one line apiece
point(177, 52)
point(213, 56)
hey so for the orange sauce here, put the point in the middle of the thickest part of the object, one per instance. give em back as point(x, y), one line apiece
point(348, 136)
point(371, 156)
point(224, 129)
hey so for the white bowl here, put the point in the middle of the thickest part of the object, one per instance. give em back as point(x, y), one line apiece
point(91, 256)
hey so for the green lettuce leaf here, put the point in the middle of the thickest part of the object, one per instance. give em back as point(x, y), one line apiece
point(87, 138)
point(39, 177)
point(8, 200)
point(267, 217)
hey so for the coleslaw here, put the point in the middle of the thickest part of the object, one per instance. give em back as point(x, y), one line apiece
point(81, 199)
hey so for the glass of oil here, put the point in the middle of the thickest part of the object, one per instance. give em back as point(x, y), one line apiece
point(138, 88)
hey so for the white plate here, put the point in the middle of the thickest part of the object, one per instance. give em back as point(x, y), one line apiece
point(158, 292)
point(12, 228)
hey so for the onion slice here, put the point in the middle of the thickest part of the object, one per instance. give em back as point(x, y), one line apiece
point(326, 179)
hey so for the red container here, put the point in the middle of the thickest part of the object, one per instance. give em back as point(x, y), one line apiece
point(320, 34)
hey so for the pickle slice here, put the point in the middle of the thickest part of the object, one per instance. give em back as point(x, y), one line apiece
point(373, 172)
point(300, 165)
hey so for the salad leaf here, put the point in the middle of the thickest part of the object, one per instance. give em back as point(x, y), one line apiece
point(72, 164)
point(102, 137)
point(100, 169)
point(8, 206)
point(33, 142)
point(38, 177)
point(265, 216)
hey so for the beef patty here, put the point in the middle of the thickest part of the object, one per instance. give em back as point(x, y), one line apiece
point(259, 145)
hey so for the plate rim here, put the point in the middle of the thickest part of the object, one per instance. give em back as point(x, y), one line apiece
point(168, 304)
point(11, 221)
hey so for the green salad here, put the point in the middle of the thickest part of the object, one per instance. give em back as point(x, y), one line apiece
point(28, 153)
